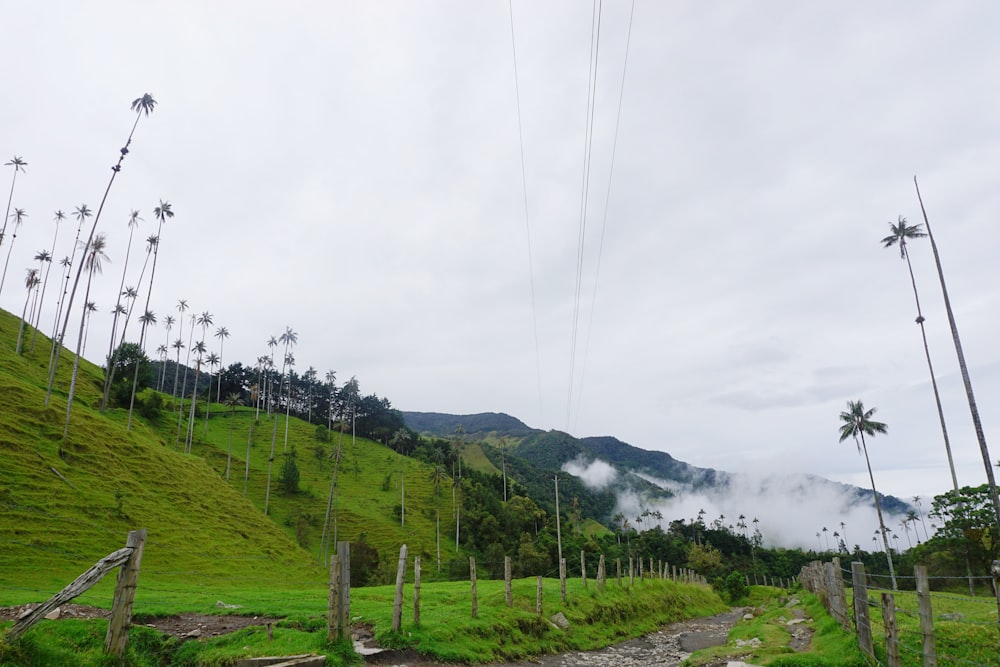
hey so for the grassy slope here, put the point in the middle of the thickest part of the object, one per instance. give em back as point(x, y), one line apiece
point(118, 480)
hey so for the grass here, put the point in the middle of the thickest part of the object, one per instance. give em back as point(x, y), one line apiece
point(447, 630)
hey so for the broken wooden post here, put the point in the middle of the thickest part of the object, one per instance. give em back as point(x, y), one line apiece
point(121, 608)
point(397, 605)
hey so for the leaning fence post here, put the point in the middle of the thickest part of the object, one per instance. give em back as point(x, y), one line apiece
point(475, 596)
point(397, 605)
point(891, 630)
point(862, 624)
point(926, 615)
point(121, 608)
point(507, 592)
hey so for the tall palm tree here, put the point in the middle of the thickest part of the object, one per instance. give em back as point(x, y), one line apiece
point(331, 386)
point(140, 105)
point(133, 222)
point(18, 215)
point(187, 364)
point(212, 361)
point(30, 283)
point(289, 338)
point(18, 164)
point(199, 349)
point(272, 342)
point(161, 354)
point(178, 345)
point(81, 212)
point(42, 257)
point(59, 217)
point(232, 400)
point(93, 257)
point(973, 409)
point(310, 378)
point(168, 324)
point(901, 232)
point(436, 476)
point(89, 309)
point(857, 423)
point(162, 212)
point(222, 333)
point(398, 442)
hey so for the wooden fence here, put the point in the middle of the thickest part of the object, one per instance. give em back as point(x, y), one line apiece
point(826, 581)
point(128, 558)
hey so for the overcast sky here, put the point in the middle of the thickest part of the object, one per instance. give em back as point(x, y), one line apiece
point(353, 171)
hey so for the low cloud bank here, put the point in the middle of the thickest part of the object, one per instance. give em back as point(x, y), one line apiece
point(595, 475)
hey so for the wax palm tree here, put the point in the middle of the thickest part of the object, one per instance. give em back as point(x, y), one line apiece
point(42, 257)
point(89, 309)
point(177, 345)
point(199, 349)
point(30, 284)
point(966, 380)
point(93, 257)
point(18, 164)
point(81, 213)
point(398, 442)
point(232, 400)
point(59, 217)
point(168, 324)
point(18, 215)
point(133, 222)
point(162, 212)
point(920, 513)
point(289, 338)
point(331, 386)
point(222, 333)
point(141, 106)
point(310, 377)
point(212, 360)
point(436, 476)
point(161, 354)
point(901, 233)
point(187, 364)
point(272, 342)
point(857, 423)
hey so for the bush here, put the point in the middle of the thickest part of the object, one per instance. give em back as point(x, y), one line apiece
point(733, 588)
point(289, 477)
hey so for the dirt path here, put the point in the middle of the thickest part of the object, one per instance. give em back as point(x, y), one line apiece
point(666, 647)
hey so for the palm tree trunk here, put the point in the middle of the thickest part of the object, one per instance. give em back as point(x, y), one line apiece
point(20, 330)
point(878, 509)
point(973, 409)
point(76, 359)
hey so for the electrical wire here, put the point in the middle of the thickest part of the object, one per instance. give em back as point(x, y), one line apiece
point(527, 220)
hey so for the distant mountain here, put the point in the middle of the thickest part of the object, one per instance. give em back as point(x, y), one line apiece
point(650, 474)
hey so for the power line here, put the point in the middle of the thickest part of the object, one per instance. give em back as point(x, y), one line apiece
point(595, 41)
point(527, 223)
point(607, 200)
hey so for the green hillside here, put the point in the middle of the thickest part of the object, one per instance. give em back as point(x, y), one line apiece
point(67, 503)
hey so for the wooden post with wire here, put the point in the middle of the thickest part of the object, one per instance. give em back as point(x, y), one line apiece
point(397, 605)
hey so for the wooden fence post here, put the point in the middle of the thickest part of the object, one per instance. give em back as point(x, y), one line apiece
point(562, 579)
point(834, 585)
point(631, 571)
point(618, 569)
point(333, 604)
point(601, 574)
point(891, 630)
point(397, 605)
point(507, 592)
point(416, 590)
point(926, 615)
point(583, 568)
point(862, 622)
point(475, 596)
point(121, 608)
point(344, 555)
point(538, 597)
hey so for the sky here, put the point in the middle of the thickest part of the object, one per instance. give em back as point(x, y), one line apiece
point(374, 176)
